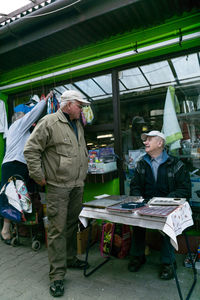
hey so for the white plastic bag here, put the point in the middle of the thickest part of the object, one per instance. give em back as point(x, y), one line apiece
point(18, 196)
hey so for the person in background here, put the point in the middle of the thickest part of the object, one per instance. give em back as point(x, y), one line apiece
point(57, 157)
point(157, 175)
point(14, 161)
point(138, 126)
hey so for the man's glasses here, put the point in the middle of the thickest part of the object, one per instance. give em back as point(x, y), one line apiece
point(79, 105)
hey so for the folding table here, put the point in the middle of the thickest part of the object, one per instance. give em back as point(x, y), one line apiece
point(172, 225)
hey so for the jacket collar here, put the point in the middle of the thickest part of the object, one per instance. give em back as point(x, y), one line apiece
point(61, 116)
point(165, 157)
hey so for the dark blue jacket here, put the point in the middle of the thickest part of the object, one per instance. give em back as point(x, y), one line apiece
point(173, 179)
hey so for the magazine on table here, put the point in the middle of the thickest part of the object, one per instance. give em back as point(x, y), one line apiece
point(162, 201)
point(101, 203)
point(156, 211)
point(126, 202)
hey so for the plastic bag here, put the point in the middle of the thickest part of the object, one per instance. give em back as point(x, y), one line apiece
point(23, 194)
point(8, 211)
point(121, 241)
point(52, 104)
point(17, 194)
point(88, 114)
point(107, 239)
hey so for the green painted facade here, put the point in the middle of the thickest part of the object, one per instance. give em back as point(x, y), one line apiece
point(114, 45)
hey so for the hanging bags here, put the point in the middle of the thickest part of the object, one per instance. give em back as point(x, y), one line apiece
point(15, 199)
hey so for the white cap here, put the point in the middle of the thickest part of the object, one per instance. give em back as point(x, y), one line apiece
point(71, 95)
point(152, 133)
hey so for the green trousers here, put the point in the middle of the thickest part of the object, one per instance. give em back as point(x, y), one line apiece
point(63, 208)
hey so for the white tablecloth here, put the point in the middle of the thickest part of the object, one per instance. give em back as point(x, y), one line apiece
point(172, 225)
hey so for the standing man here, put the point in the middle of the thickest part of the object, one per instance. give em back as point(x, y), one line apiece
point(57, 157)
point(157, 175)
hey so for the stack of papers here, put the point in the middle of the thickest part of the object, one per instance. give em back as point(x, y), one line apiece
point(160, 201)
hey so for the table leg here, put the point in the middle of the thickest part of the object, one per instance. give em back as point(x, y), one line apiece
point(193, 267)
point(87, 254)
point(174, 270)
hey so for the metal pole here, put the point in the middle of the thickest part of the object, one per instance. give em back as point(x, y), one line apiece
point(117, 129)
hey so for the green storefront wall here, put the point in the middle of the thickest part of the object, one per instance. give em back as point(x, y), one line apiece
point(94, 189)
point(104, 55)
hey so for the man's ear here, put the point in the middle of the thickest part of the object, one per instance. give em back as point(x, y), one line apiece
point(160, 143)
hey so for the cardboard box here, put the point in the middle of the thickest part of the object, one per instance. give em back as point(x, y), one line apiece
point(82, 237)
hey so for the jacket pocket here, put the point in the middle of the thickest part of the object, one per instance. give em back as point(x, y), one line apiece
point(84, 165)
point(67, 169)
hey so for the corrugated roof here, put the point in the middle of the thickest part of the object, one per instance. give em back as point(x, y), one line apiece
point(29, 40)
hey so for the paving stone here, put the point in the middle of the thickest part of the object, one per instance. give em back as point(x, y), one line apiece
point(24, 276)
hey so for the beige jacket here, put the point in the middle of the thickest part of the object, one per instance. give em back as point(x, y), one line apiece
point(54, 153)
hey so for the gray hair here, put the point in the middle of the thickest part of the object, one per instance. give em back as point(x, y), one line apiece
point(17, 115)
point(64, 102)
point(162, 140)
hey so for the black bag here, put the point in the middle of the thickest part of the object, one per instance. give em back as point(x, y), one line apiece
point(6, 210)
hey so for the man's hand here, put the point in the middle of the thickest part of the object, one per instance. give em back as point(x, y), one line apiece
point(42, 182)
point(49, 95)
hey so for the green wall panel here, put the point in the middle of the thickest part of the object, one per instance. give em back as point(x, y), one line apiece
point(94, 189)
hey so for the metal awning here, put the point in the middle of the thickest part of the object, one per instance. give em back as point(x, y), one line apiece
point(178, 72)
point(53, 27)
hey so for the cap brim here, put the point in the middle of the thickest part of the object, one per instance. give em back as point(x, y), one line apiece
point(84, 102)
point(144, 136)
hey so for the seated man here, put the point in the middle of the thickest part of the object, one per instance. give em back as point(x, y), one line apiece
point(157, 175)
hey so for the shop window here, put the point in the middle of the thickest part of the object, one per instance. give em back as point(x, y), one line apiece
point(143, 95)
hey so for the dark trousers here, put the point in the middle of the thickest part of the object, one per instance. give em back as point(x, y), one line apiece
point(138, 245)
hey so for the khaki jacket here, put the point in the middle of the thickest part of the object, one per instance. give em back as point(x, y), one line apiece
point(54, 153)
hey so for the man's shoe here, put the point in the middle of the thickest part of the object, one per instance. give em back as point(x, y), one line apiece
point(136, 262)
point(77, 264)
point(167, 272)
point(56, 288)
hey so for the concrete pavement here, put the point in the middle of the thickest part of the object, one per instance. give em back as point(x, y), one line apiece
point(24, 276)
